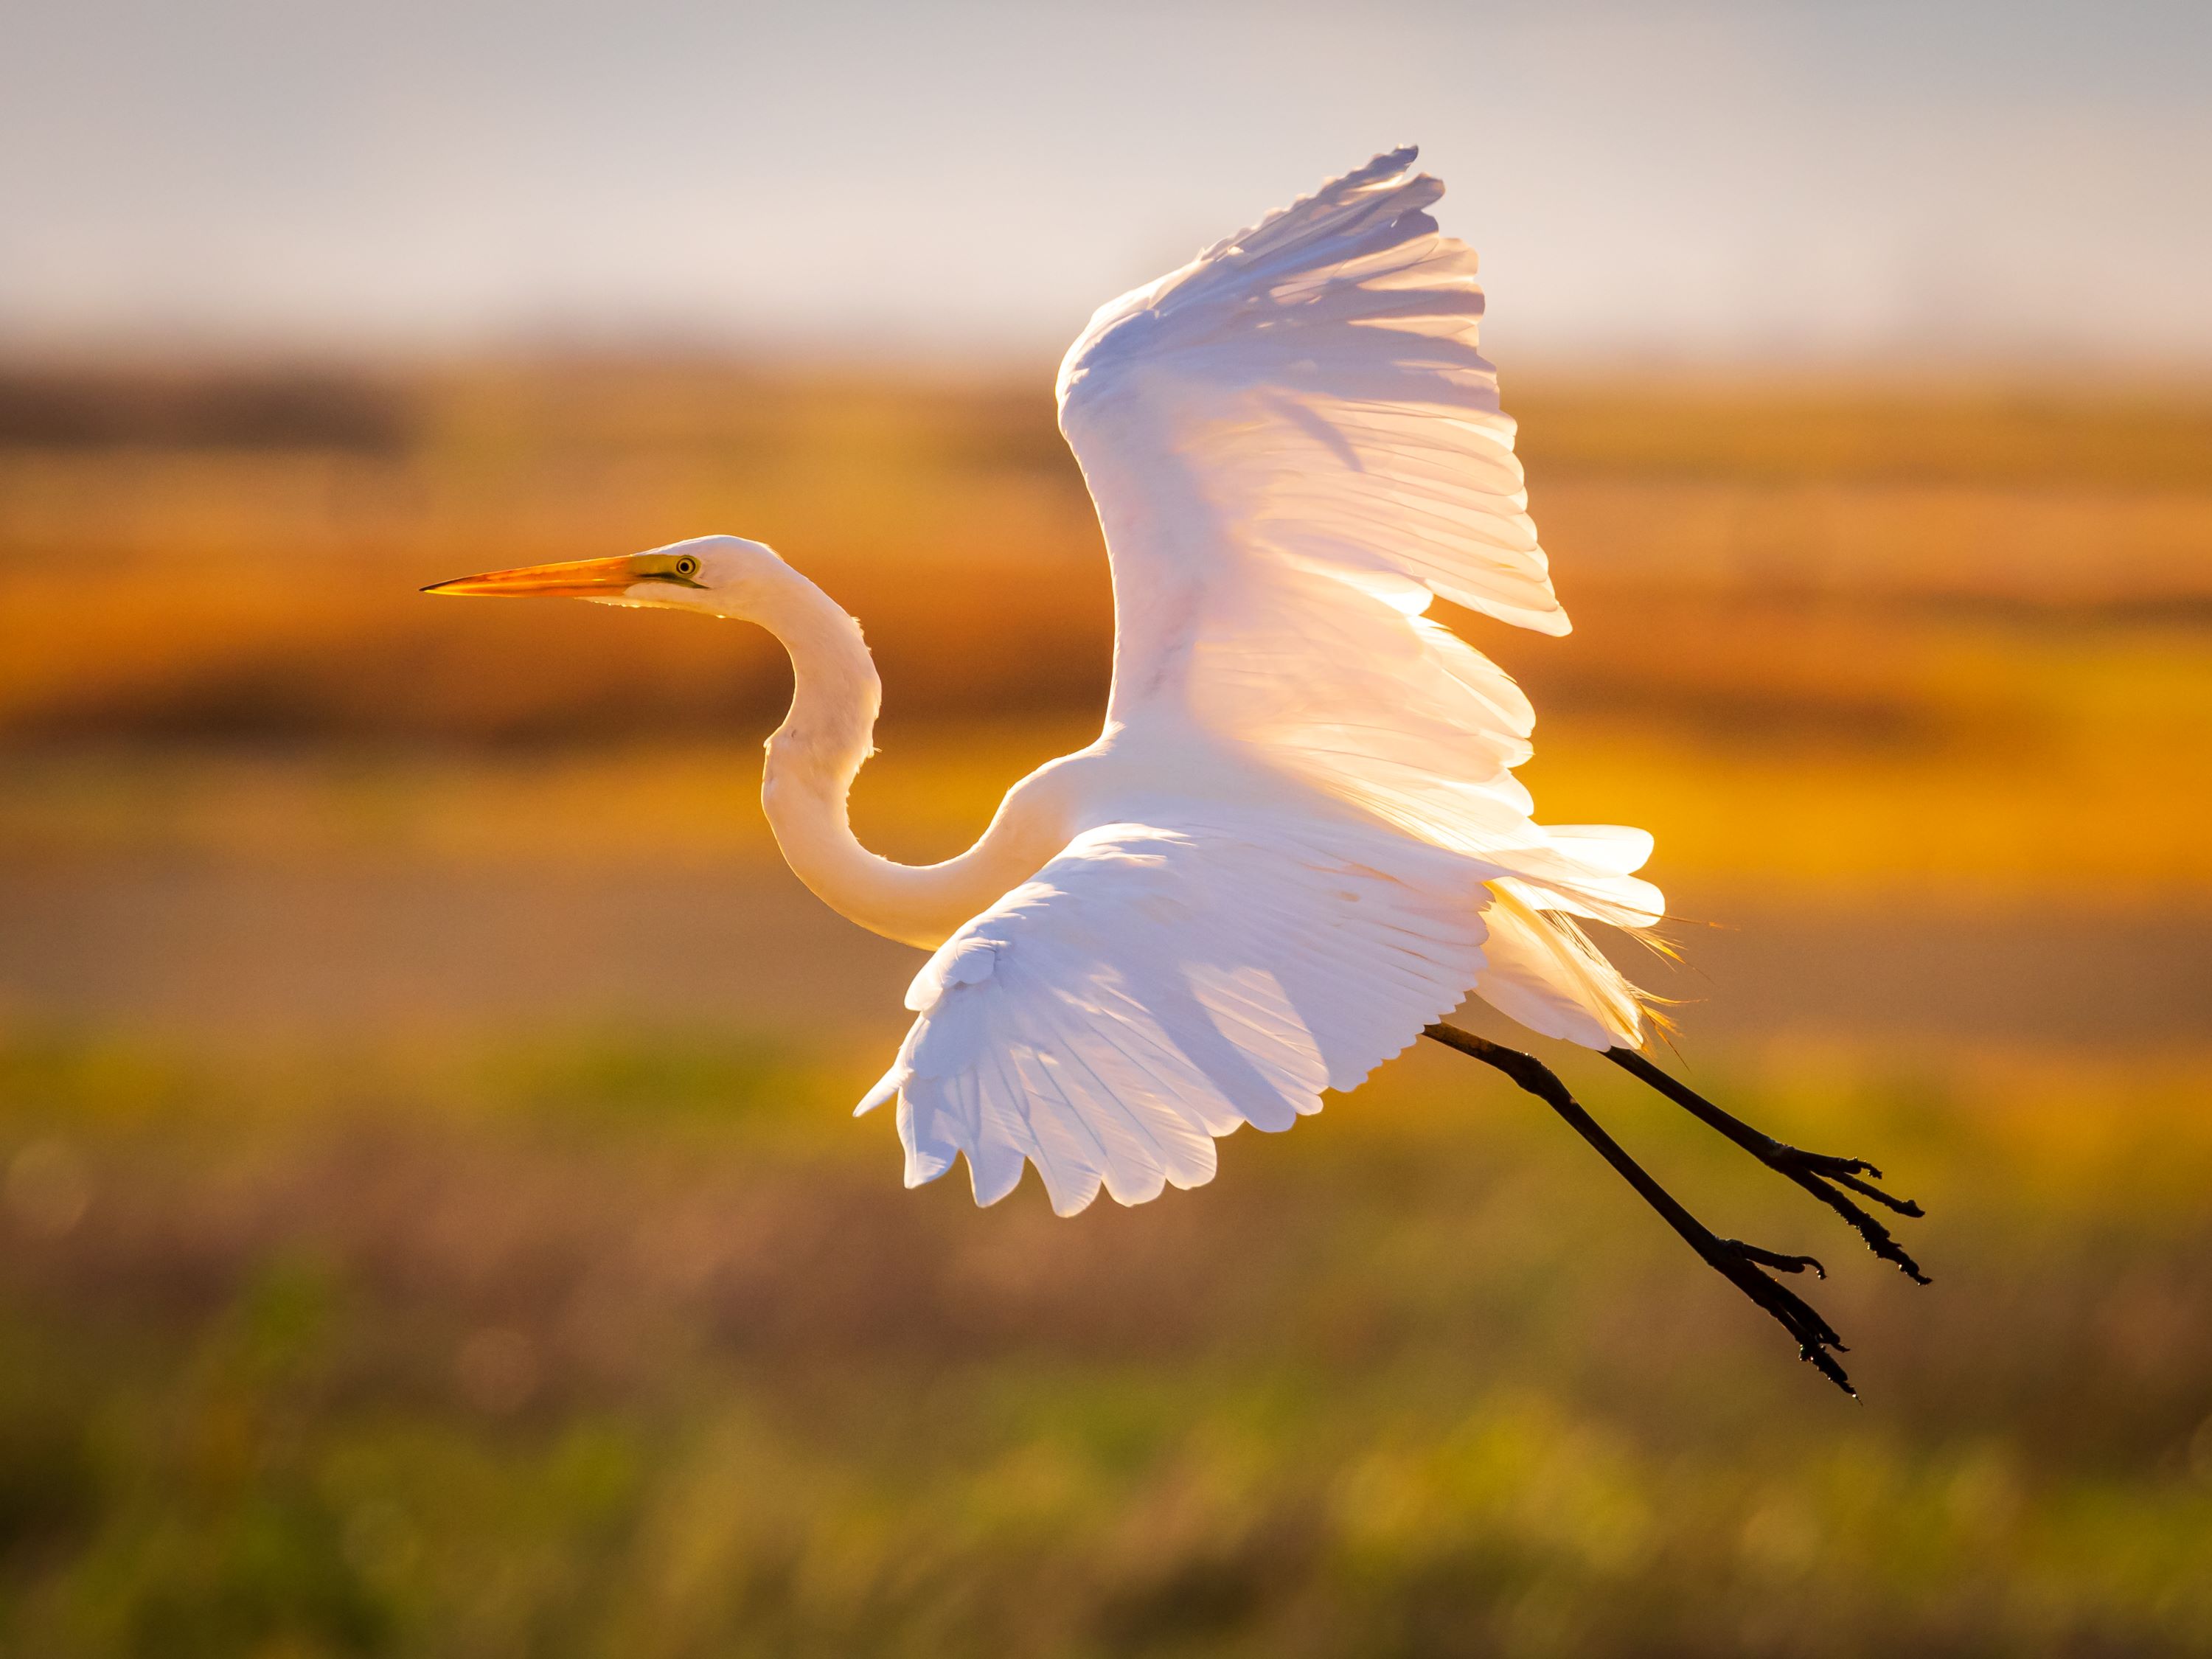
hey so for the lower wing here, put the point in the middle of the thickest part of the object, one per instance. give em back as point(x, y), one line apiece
point(1159, 984)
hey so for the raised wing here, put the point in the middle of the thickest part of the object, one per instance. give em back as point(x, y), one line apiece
point(1158, 985)
point(1295, 446)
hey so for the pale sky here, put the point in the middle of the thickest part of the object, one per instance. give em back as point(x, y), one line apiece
point(1870, 184)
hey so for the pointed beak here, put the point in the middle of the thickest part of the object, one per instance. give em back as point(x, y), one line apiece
point(583, 579)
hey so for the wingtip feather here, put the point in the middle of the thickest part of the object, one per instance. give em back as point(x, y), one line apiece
point(887, 1087)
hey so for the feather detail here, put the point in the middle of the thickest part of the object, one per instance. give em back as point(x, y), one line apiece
point(1303, 956)
point(1295, 447)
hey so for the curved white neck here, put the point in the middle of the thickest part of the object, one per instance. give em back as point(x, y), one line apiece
point(812, 759)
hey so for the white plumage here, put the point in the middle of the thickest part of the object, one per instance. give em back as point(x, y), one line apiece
point(1053, 1028)
point(1295, 448)
point(1298, 840)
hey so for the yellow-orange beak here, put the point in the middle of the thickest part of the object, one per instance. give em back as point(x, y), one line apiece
point(582, 579)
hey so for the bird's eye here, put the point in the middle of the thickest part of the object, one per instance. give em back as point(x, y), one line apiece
point(687, 566)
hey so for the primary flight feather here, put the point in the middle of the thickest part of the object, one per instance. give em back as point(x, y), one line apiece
point(1298, 842)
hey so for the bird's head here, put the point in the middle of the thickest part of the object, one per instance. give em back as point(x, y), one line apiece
point(709, 573)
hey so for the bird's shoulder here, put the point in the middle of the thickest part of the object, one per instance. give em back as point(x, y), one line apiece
point(1159, 767)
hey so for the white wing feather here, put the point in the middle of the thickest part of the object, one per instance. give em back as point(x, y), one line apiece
point(1156, 986)
point(1295, 448)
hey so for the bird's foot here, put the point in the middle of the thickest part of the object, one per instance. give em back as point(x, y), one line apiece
point(1828, 1178)
point(1745, 1265)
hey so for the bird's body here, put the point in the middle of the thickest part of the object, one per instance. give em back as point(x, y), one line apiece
point(1298, 842)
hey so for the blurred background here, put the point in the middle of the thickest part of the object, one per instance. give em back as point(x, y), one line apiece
point(430, 1218)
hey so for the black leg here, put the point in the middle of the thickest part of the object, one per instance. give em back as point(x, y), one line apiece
point(1741, 1264)
point(1817, 1173)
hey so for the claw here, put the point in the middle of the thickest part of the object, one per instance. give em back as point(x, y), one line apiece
point(1787, 1264)
point(1827, 1163)
point(1817, 1341)
point(1843, 1171)
point(1827, 1368)
point(1820, 1176)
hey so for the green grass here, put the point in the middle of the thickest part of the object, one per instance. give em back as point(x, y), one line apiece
point(634, 1346)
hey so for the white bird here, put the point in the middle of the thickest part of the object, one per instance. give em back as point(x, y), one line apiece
point(1298, 842)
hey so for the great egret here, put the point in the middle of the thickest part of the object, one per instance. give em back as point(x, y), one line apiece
point(1298, 842)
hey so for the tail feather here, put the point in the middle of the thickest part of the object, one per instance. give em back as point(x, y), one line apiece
point(1541, 970)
